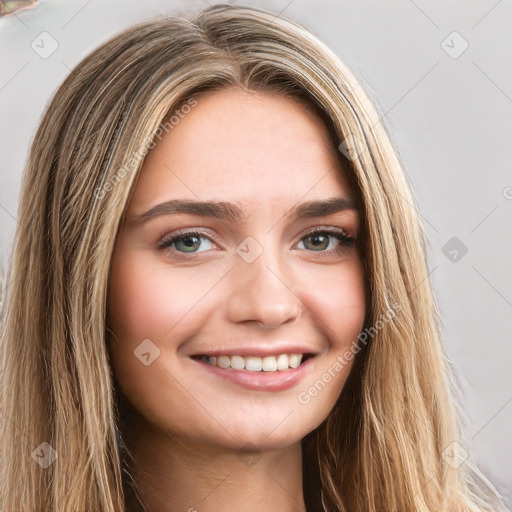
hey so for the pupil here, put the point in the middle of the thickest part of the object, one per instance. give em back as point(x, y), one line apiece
point(190, 241)
point(318, 240)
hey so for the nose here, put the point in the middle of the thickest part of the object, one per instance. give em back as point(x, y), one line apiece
point(263, 292)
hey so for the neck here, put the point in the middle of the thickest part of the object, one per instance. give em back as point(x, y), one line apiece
point(176, 474)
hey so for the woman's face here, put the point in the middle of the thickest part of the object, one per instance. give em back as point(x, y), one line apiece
point(218, 264)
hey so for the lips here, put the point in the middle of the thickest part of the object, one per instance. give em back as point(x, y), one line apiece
point(259, 368)
point(254, 380)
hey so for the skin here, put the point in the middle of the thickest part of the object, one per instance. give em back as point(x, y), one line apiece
point(194, 433)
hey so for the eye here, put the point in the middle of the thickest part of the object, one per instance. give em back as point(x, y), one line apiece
point(186, 242)
point(321, 240)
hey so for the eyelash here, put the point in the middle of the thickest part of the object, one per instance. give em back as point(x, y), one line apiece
point(166, 242)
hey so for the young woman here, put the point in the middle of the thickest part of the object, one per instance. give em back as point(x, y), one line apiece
point(218, 297)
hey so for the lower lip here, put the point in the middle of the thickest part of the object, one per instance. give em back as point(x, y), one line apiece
point(278, 380)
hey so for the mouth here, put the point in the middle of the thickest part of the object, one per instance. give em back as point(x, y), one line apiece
point(271, 363)
point(270, 373)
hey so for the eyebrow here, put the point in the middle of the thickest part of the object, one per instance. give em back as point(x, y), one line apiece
point(232, 212)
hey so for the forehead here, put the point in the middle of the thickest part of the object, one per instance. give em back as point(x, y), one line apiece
point(255, 148)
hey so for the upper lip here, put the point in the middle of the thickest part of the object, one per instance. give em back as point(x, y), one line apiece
point(258, 351)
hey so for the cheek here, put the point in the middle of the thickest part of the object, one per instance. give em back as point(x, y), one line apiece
point(148, 299)
point(338, 302)
point(338, 306)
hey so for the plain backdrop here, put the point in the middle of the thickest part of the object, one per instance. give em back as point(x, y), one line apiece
point(440, 73)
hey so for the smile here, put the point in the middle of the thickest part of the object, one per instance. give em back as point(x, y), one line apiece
point(279, 362)
point(268, 373)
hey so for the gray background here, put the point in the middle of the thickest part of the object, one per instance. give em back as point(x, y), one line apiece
point(449, 110)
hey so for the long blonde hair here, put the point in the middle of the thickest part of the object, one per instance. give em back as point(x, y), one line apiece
point(384, 445)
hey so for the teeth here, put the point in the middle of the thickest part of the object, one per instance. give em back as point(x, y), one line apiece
point(237, 362)
point(269, 364)
point(294, 360)
point(256, 364)
point(253, 364)
point(223, 361)
point(282, 362)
